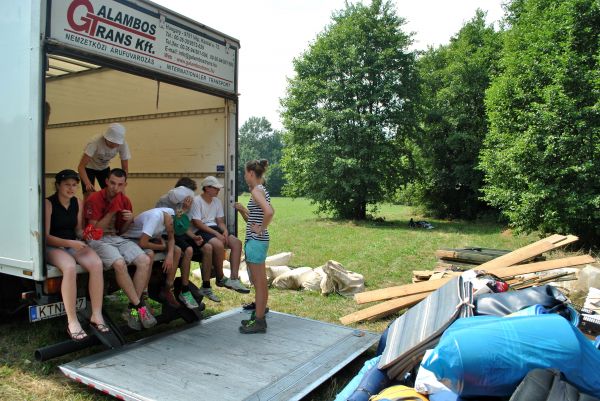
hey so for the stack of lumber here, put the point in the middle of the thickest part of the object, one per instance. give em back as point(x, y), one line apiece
point(505, 266)
point(469, 258)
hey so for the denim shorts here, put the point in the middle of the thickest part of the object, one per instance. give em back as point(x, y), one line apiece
point(256, 251)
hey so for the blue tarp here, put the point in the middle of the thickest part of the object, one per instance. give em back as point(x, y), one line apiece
point(489, 356)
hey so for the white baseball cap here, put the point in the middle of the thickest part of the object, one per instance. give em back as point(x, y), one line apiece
point(211, 181)
point(115, 133)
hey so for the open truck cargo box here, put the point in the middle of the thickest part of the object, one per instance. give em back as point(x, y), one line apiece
point(211, 360)
point(82, 65)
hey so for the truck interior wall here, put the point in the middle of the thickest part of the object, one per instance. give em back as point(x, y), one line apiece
point(171, 131)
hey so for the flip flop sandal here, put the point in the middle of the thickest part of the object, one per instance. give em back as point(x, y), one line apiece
point(78, 336)
point(100, 327)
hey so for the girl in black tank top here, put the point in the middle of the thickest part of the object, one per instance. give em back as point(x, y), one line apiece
point(64, 221)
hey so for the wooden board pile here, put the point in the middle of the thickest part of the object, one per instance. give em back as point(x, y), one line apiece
point(467, 258)
point(506, 266)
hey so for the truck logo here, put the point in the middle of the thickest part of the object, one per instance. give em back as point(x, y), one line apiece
point(107, 24)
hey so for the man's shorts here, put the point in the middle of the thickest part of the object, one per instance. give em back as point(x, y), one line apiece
point(184, 242)
point(100, 175)
point(256, 251)
point(112, 248)
point(208, 236)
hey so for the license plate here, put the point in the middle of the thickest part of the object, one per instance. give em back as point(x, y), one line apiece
point(42, 312)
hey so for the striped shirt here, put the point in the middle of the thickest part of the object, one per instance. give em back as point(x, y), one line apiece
point(256, 216)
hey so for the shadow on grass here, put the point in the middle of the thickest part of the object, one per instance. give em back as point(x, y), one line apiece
point(480, 227)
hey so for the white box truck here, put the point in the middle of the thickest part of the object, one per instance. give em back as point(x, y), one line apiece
point(171, 81)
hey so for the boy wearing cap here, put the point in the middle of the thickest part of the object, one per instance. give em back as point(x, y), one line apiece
point(97, 156)
point(209, 218)
point(110, 210)
point(180, 200)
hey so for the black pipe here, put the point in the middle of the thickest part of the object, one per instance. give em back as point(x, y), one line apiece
point(63, 348)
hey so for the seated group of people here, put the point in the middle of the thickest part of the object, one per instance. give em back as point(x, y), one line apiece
point(181, 225)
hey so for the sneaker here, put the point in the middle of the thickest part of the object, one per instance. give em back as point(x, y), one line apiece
point(146, 317)
point(196, 293)
point(145, 297)
point(133, 319)
point(166, 294)
point(208, 293)
point(252, 306)
point(188, 300)
point(236, 285)
point(254, 326)
point(222, 282)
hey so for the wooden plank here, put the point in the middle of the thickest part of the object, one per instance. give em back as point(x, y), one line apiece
point(385, 308)
point(399, 291)
point(569, 240)
point(542, 266)
point(523, 253)
point(509, 259)
point(394, 305)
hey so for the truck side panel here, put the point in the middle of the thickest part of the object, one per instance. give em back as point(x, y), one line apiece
point(20, 123)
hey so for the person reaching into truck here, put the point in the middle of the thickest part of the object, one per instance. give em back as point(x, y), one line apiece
point(258, 216)
point(98, 153)
point(65, 249)
point(110, 210)
point(180, 200)
point(209, 218)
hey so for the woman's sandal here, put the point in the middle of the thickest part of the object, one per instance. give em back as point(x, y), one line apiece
point(78, 336)
point(100, 327)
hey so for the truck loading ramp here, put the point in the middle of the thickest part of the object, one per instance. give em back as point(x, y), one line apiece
point(211, 360)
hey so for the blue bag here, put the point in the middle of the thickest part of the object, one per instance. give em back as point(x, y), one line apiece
point(489, 356)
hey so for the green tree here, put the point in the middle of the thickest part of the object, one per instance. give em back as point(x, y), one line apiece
point(454, 78)
point(258, 140)
point(541, 155)
point(349, 112)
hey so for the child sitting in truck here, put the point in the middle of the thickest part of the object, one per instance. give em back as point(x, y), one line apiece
point(147, 228)
point(208, 217)
point(65, 249)
point(180, 200)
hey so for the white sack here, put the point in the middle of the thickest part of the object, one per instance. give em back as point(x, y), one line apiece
point(280, 259)
point(275, 271)
point(311, 281)
point(291, 280)
point(344, 282)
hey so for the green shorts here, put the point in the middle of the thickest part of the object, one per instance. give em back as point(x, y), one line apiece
point(256, 251)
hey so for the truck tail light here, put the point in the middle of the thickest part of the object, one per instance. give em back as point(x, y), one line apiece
point(52, 285)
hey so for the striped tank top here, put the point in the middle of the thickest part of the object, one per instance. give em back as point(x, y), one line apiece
point(257, 216)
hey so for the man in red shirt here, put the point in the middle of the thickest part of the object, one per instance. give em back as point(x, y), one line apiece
point(110, 210)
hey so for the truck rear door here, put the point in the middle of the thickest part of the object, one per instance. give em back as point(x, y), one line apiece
point(21, 123)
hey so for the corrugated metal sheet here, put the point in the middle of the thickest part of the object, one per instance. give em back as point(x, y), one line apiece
point(422, 325)
point(212, 361)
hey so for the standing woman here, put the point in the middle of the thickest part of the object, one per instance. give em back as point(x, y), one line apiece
point(64, 217)
point(258, 216)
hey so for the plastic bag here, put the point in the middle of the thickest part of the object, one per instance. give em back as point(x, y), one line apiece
point(489, 356)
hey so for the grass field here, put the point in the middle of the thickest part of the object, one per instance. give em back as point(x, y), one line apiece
point(384, 251)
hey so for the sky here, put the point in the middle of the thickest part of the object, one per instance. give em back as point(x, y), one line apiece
point(274, 32)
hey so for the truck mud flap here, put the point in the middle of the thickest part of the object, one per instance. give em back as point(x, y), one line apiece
point(212, 360)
